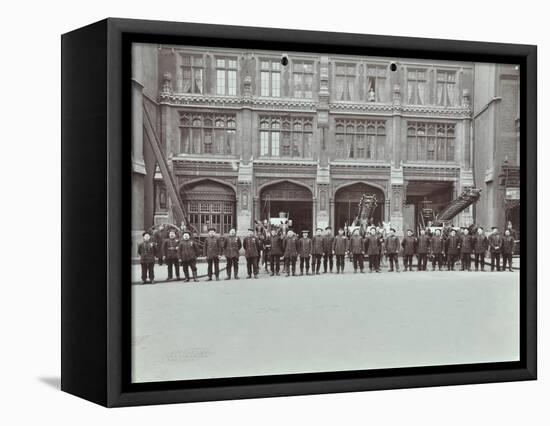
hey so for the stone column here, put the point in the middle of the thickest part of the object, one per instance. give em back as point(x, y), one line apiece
point(332, 214)
point(396, 196)
point(398, 151)
point(321, 213)
point(323, 111)
point(243, 208)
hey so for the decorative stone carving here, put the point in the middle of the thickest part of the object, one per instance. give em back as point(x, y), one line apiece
point(166, 89)
point(466, 98)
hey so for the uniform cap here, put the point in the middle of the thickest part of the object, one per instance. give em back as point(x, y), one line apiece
point(251, 229)
point(327, 228)
point(305, 231)
point(211, 229)
point(186, 232)
point(392, 229)
point(145, 232)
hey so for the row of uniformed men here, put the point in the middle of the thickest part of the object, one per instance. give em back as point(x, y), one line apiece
point(444, 251)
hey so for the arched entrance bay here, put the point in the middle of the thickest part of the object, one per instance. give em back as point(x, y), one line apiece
point(346, 203)
point(209, 204)
point(288, 197)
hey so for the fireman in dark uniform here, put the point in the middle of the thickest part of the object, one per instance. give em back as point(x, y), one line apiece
point(188, 251)
point(231, 245)
point(466, 249)
point(392, 250)
point(170, 255)
point(147, 251)
point(212, 251)
point(304, 246)
point(452, 248)
point(275, 251)
point(409, 248)
point(495, 248)
point(422, 250)
point(438, 250)
point(327, 250)
point(357, 249)
point(508, 246)
point(373, 242)
point(252, 249)
point(290, 252)
point(481, 244)
point(340, 248)
point(317, 250)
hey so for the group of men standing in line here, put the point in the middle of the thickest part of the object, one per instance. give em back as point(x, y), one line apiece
point(443, 249)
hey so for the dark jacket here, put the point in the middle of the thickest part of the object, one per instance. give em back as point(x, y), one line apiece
point(495, 243)
point(409, 246)
point(276, 242)
point(466, 244)
point(373, 244)
point(231, 246)
point(147, 251)
point(318, 244)
point(252, 246)
point(481, 243)
point(340, 245)
point(304, 247)
point(170, 248)
point(438, 245)
point(423, 244)
point(327, 244)
point(392, 244)
point(290, 247)
point(356, 244)
point(452, 245)
point(188, 250)
point(508, 244)
point(212, 247)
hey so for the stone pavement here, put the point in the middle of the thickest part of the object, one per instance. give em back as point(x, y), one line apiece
point(278, 325)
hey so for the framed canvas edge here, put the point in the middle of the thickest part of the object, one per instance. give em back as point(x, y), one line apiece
point(118, 396)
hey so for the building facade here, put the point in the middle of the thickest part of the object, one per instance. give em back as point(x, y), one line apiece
point(497, 147)
point(247, 138)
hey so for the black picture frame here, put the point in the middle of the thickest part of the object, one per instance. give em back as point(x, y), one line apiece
point(96, 209)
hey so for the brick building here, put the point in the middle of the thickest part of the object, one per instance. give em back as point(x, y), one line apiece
point(246, 137)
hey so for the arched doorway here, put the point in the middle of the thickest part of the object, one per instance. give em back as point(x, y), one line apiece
point(291, 198)
point(346, 203)
point(209, 204)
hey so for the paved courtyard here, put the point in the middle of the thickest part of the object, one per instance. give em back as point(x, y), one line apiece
point(278, 325)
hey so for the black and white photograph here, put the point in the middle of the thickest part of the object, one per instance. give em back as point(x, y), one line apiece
point(300, 212)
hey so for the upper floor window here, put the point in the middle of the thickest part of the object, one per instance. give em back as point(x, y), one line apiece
point(286, 137)
point(302, 79)
point(207, 133)
point(430, 141)
point(377, 87)
point(270, 78)
point(360, 139)
point(226, 76)
point(446, 90)
point(416, 86)
point(192, 70)
point(345, 81)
